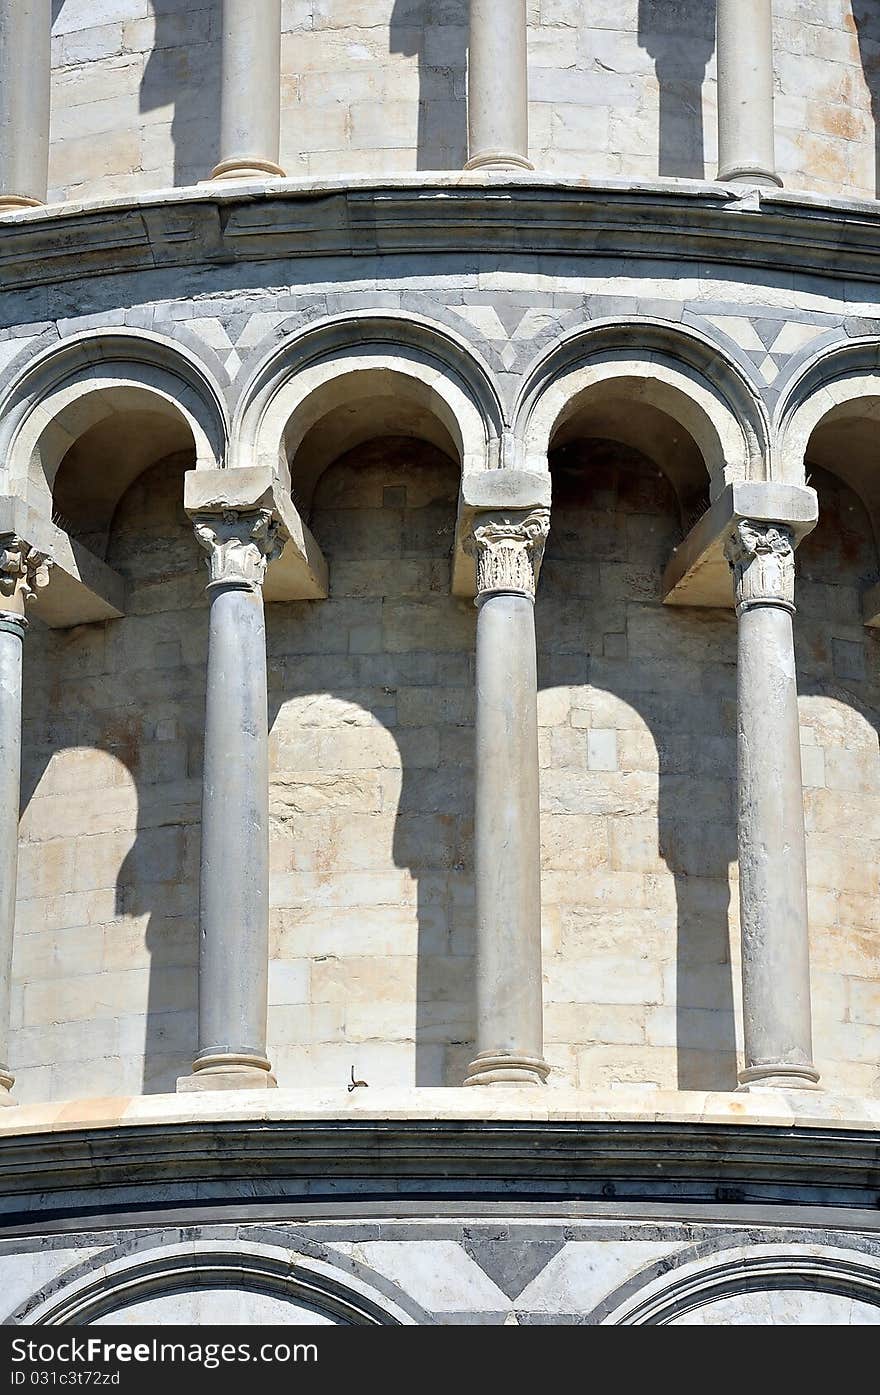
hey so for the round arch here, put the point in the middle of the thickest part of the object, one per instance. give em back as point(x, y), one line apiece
point(740, 1273)
point(342, 1297)
point(370, 370)
point(658, 365)
point(829, 417)
point(79, 384)
point(835, 379)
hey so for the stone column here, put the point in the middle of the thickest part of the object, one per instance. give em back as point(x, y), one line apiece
point(234, 878)
point(498, 86)
point(22, 570)
point(745, 92)
point(25, 74)
point(772, 860)
point(250, 90)
point(507, 839)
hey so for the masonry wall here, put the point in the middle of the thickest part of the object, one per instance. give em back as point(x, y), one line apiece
point(371, 705)
point(838, 673)
point(638, 713)
point(106, 943)
point(619, 88)
point(372, 787)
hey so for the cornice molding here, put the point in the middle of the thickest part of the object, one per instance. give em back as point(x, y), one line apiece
point(83, 1170)
point(524, 215)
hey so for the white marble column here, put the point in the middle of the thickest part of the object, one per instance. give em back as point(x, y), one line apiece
point(25, 75)
point(250, 90)
point(507, 838)
point(22, 570)
point(745, 92)
point(498, 86)
point(234, 877)
point(772, 857)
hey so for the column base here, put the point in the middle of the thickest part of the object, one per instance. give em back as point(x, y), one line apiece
point(6, 1083)
point(10, 202)
point(245, 169)
point(507, 1068)
point(778, 1077)
point(219, 1072)
point(498, 160)
point(765, 179)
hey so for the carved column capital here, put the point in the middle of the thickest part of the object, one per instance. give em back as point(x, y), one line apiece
point(23, 572)
point(508, 549)
point(761, 556)
point(240, 545)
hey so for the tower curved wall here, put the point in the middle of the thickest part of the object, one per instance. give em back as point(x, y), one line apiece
point(385, 336)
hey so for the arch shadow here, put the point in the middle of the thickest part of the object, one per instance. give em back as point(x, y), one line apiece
point(134, 689)
point(640, 426)
point(646, 760)
point(373, 418)
point(432, 802)
point(154, 727)
point(387, 661)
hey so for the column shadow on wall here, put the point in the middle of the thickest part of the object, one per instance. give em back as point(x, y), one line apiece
point(162, 647)
point(134, 689)
point(183, 73)
point(838, 666)
point(436, 33)
point(388, 659)
point(680, 38)
point(603, 631)
point(866, 18)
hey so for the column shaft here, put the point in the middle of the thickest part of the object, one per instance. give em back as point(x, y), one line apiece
point(234, 874)
point(25, 76)
point(772, 857)
point(234, 884)
point(745, 92)
point(498, 96)
point(12, 629)
point(507, 845)
point(250, 92)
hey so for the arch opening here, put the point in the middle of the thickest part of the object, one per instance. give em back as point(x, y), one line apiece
point(640, 371)
point(88, 415)
point(618, 415)
point(358, 409)
point(390, 374)
point(123, 433)
point(843, 443)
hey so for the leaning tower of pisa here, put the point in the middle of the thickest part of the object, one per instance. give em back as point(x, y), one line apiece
point(439, 676)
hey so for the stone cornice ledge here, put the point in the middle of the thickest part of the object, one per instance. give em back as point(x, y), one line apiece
point(804, 1109)
point(526, 214)
point(125, 1155)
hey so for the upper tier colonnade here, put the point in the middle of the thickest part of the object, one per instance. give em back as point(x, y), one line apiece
point(246, 525)
point(497, 100)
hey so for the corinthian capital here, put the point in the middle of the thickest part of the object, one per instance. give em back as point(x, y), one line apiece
point(762, 558)
point(23, 571)
point(508, 549)
point(240, 545)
